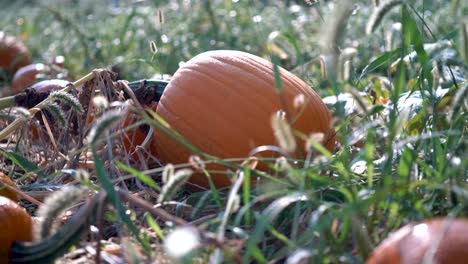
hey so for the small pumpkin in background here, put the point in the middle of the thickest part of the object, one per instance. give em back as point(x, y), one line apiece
point(45, 86)
point(439, 240)
point(222, 102)
point(6, 192)
point(32, 73)
point(27, 75)
point(49, 85)
point(13, 54)
point(15, 225)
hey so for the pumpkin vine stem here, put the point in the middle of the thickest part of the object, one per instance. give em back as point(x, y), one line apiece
point(45, 251)
point(148, 91)
point(41, 105)
point(7, 102)
point(27, 99)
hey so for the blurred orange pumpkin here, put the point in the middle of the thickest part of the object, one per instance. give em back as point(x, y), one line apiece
point(49, 85)
point(13, 54)
point(222, 102)
point(15, 225)
point(26, 75)
point(440, 240)
point(4, 191)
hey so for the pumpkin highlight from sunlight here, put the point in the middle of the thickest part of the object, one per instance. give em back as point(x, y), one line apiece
point(222, 102)
point(26, 75)
point(49, 85)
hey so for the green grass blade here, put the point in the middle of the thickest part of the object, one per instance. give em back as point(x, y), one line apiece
point(114, 197)
point(141, 176)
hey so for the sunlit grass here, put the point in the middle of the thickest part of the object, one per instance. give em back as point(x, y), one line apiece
point(400, 122)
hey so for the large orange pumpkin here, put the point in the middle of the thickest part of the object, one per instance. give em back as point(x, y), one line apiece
point(13, 53)
point(441, 240)
point(15, 224)
point(222, 102)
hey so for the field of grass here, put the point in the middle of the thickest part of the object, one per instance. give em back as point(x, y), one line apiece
point(393, 77)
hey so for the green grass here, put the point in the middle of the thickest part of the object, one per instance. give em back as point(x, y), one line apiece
point(394, 163)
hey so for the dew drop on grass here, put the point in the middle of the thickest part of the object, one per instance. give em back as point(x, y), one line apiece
point(359, 167)
point(164, 38)
point(181, 242)
point(257, 19)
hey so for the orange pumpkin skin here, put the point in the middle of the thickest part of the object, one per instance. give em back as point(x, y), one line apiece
point(222, 102)
point(15, 224)
point(5, 180)
point(26, 75)
point(49, 85)
point(448, 238)
point(13, 53)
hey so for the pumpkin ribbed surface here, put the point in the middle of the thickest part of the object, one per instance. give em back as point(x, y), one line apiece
point(13, 53)
point(440, 240)
point(222, 103)
point(15, 224)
